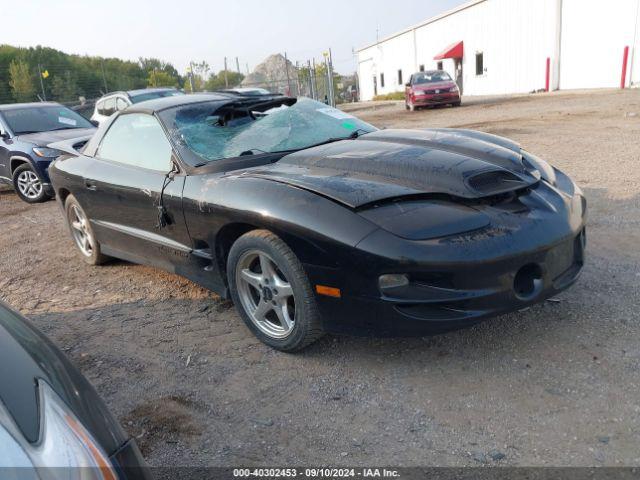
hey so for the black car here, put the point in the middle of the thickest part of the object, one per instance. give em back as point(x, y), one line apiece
point(25, 131)
point(51, 418)
point(313, 221)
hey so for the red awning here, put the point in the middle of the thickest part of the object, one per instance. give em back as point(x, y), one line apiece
point(454, 50)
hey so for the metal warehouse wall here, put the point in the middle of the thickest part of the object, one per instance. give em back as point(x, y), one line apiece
point(584, 40)
point(594, 35)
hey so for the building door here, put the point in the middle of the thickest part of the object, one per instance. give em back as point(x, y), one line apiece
point(457, 64)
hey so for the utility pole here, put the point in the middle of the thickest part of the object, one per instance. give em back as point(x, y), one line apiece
point(310, 80)
point(286, 65)
point(332, 99)
point(238, 65)
point(191, 76)
point(104, 77)
point(44, 95)
point(327, 66)
point(226, 77)
point(315, 81)
point(298, 80)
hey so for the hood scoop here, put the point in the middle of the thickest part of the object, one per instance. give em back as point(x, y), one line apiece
point(495, 182)
point(395, 163)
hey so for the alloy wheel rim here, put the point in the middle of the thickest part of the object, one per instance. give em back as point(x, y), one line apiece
point(265, 293)
point(80, 231)
point(29, 184)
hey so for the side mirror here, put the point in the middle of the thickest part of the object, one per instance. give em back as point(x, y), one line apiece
point(95, 123)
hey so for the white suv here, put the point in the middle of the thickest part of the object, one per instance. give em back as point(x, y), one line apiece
point(115, 101)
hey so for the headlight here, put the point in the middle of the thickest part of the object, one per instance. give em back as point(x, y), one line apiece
point(45, 152)
point(395, 280)
point(65, 448)
point(418, 93)
point(546, 170)
point(454, 88)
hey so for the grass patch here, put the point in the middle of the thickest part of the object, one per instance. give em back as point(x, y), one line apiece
point(390, 96)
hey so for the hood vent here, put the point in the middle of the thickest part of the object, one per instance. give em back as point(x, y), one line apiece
point(495, 181)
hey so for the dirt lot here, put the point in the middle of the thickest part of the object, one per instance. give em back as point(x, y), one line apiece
point(557, 384)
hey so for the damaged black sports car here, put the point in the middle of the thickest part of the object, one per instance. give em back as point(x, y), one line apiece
point(314, 221)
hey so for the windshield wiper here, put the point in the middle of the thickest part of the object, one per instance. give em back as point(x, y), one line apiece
point(355, 134)
point(27, 132)
point(63, 128)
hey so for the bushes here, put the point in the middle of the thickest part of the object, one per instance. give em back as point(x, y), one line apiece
point(390, 96)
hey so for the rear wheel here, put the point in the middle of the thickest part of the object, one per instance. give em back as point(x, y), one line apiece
point(272, 292)
point(82, 233)
point(28, 185)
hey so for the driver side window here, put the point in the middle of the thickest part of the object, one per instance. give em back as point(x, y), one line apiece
point(137, 139)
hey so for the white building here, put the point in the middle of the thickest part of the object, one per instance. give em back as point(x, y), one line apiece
point(513, 46)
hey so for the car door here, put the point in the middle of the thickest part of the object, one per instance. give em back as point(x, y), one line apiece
point(125, 194)
point(5, 168)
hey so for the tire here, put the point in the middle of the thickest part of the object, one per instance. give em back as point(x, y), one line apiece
point(28, 185)
point(287, 319)
point(80, 229)
point(456, 104)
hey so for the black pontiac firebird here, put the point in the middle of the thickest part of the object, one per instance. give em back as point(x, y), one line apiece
point(313, 221)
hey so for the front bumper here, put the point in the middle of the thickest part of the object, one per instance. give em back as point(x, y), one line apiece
point(437, 302)
point(436, 99)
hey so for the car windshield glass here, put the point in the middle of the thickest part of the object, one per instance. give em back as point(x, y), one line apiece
point(43, 119)
point(141, 97)
point(213, 131)
point(430, 77)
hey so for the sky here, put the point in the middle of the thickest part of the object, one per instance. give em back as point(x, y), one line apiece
point(197, 30)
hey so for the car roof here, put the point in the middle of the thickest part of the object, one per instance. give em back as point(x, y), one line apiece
point(159, 104)
point(139, 91)
point(16, 106)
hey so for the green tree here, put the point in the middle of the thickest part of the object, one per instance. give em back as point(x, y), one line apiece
point(64, 87)
point(217, 81)
point(160, 73)
point(21, 82)
point(158, 78)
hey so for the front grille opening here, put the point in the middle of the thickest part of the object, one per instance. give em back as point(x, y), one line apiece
point(432, 279)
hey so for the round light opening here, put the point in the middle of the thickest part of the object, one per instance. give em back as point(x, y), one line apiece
point(527, 283)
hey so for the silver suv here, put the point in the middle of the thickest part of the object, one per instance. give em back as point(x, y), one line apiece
point(115, 101)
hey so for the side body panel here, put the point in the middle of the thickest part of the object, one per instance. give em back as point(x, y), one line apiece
point(320, 232)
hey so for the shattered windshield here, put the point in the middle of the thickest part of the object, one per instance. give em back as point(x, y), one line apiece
point(215, 131)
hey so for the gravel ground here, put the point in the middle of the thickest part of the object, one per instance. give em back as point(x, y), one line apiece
point(556, 384)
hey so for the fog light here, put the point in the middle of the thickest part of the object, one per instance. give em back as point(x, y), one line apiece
point(393, 280)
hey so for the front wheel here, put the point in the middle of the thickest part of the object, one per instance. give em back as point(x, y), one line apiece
point(28, 185)
point(82, 233)
point(272, 292)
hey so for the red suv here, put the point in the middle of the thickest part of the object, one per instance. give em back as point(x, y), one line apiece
point(434, 87)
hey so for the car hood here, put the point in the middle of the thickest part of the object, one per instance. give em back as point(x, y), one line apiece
point(44, 138)
point(432, 86)
point(27, 356)
point(389, 164)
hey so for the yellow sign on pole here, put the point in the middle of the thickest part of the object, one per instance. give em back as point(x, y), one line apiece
point(45, 74)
